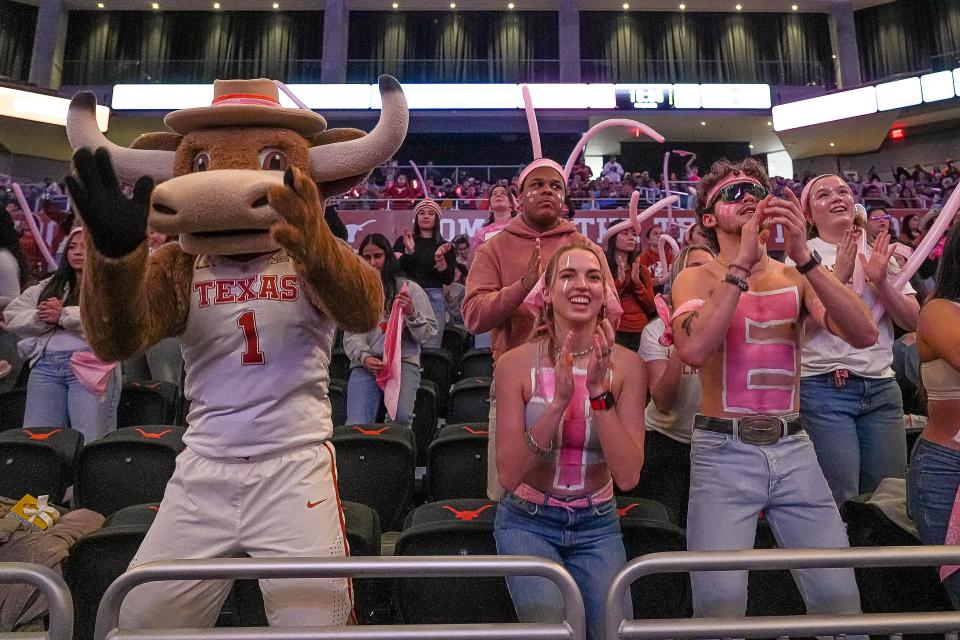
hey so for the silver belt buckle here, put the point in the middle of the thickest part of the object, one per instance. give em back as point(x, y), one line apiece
point(759, 430)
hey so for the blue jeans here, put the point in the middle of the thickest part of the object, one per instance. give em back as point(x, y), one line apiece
point(439, 306)
point(364, 396)
point(857, 431)
point(730, 483)
point(932, 481)
point(55, 398)
point(585, 541)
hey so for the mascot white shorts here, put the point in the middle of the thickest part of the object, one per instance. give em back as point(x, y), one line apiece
point(283, 505)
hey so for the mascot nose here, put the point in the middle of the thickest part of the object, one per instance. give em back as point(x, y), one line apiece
point(259, 202)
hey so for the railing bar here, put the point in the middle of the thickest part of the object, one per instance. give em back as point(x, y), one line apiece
point(775, 626)
point(372, 632)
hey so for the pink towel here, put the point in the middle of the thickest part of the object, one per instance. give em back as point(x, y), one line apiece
point(92, 372)
point(389, 377)
point(952, 537)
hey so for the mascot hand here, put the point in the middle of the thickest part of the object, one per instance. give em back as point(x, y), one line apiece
point(298, 203)
point(117, 224)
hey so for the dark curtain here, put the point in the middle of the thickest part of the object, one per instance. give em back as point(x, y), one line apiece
point(673, 47)
point(192, 46)
point(452, 46)
point(17, 25)
point(908, 36)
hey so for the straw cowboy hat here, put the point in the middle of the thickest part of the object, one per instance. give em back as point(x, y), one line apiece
point(238, 103)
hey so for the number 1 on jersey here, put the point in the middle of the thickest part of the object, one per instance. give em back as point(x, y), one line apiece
point(247, 322)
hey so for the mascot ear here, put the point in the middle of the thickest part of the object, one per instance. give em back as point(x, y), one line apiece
point(341, 185)
point(159, 141)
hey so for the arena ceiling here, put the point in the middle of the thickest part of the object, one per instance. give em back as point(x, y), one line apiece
point(474, 5)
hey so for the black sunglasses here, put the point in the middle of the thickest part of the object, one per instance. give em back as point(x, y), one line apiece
point(737, 191)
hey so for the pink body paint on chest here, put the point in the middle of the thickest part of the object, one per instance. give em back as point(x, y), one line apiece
point(570, 458)
point(760, 362)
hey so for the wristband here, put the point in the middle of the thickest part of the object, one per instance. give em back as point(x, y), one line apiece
point(737, 266)
point(738, 282)
point(810, 264)
point(603, 401)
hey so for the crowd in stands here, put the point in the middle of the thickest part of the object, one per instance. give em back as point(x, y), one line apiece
point(396, 188)
point(481, 282)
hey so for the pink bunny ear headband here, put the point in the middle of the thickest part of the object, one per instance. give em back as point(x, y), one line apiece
point(564, 171)
point(535, 302)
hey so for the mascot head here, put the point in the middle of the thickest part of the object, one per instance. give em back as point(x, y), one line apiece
point(215, 165)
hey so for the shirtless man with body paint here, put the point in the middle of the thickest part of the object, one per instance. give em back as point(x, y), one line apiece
point(740, 323)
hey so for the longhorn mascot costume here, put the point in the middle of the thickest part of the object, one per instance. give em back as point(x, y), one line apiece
point(253, 289)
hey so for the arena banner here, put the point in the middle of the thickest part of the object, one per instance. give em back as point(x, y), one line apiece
point(591, 223)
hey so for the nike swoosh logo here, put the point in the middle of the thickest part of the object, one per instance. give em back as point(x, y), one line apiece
point(311, 505)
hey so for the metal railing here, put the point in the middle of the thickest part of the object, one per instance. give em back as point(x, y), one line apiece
point(573, 625)
point(617, 628)
point(59, 601)
point(775, 72)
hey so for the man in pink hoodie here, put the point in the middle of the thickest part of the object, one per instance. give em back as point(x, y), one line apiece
point(508, 266)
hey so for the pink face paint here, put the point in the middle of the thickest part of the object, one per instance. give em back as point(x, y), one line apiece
point(726, 210)
point(759, 355)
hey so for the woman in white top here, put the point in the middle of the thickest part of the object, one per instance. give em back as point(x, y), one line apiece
point(934, 474)
point(674, 400)
point(63, 388)
point(13, 273)
point(850, 402)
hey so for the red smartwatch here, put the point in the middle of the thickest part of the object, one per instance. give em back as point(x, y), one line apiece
point(603, 401)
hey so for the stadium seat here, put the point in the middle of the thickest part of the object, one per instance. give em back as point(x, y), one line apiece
point(150, 402)
point(890, 588)
point(339, 365)
point(456, 340)
point(127, 467)
point(477, 363)
point(375, 467)
point(648, 527)
point(13, 404)
point(458, 528)
point(99, 558)
point(457, 462)
point(469, 401)
point(437, 365)
point(425, 418)
point(337, 392)
point(38, 461)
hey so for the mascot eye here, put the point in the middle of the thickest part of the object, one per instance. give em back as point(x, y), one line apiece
point(273, 160)
point(201, 162)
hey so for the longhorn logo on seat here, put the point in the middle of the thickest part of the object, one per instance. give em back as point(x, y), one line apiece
point(467, 515)
point(41, 436)
point(154, 436)
point(370, 432)
point(476, 432)
point(626, 509)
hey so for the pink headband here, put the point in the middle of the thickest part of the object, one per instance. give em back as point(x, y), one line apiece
point(807, 188)
point(730, 178)
point(535, 302)
point(542, 162)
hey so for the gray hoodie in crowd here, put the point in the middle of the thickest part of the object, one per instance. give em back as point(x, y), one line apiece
point(417, 329)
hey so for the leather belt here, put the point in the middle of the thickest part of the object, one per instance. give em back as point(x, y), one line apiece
point(756, 430)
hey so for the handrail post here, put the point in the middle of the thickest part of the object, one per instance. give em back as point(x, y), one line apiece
point(573, 626)
point(59, 601)
point(617, 628)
